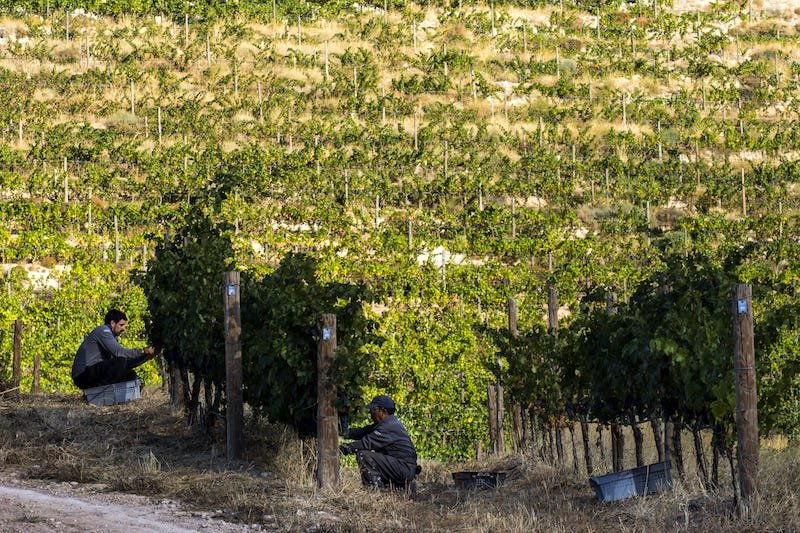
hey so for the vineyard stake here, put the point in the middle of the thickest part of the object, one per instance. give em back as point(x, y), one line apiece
point(558, 63)
point(116, 239)
point(524, 40)
point(744, 197)
point(66, 183)
point(513, 217)
point(91, 195)
point(37, 371)
point(16, 362)
point(552, 329)
point(746, 402)
point(517, 420)
point(327, 418)
point(260, 105)
point(233, 366)
point(327, 70)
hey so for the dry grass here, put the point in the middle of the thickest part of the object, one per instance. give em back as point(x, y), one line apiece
point(141, 448)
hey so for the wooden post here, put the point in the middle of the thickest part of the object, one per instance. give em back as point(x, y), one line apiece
point(233, 366)
point(16, 362)
point(325, 54)
point(91, 195)
point(512, 318)
point(552, 311)
point(611, 303)
point(327, 418)
point(744, 197)
point(588, 455)
point(746, 406)
point(624, 113)
point(660, 150)
point(552, 328)
point(37, 371)
point(66, 183)
point(517, 421)
point(617, 436)
point(513, 217)
point(116, 239)
point(491, 403)
point(499, 410)
point(175, 387)
point(260, 105)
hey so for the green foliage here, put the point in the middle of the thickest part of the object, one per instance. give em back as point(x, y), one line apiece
point(182, 285)
point(435, 366)
point(778, 366)
point(480, 144)
point(281, 333)
point(661, 352)
point(55, 323)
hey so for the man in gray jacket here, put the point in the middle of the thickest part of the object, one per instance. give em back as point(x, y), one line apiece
point(101, 360)
point(384, 451)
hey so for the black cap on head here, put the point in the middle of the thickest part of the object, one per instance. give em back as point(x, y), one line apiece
point(382, 401)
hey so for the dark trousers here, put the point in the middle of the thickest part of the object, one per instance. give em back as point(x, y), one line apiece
point(108, 372)
point(379, 470)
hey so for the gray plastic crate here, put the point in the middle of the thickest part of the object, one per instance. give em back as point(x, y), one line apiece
point(478, 480)
point(634, 482)
point(114, 394)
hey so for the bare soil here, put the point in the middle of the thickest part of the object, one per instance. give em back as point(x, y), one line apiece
point(71, 466)
point(28, 506)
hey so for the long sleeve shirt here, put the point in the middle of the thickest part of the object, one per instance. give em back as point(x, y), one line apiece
point(389, 437)
point(98, 345)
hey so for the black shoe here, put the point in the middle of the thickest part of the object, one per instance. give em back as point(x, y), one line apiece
point(375, 483)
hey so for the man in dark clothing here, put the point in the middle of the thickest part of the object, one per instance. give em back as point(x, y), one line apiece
point(101, 360)
point(384, 451)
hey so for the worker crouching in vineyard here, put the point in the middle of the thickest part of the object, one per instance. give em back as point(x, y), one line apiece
point(101, 360)
point(385, 454)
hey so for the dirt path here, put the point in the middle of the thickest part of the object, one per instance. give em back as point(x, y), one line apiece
point(37, 507)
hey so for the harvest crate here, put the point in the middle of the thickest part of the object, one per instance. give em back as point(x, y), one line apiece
point(478, 480)
point(634, 482)
point(114, 394)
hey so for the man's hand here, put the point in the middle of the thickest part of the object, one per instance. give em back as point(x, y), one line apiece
point(346, 449)
point(150, 352)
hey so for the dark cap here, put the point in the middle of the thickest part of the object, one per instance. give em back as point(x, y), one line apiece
point(382, 401)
